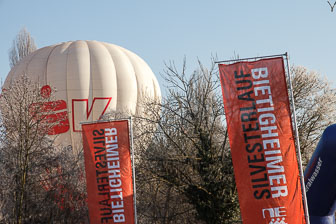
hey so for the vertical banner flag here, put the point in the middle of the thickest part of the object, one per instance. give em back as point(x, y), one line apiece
point(262, 143)
point(108, 170)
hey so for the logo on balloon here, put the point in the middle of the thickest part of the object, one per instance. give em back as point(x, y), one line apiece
point(98, 104)
point(55, 112)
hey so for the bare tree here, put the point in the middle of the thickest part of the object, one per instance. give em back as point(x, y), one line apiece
point(39, 182)
point(315, 102)
point(26, 150)
point(23, 45)
point(186, 175)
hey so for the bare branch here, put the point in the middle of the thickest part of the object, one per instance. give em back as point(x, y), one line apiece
point(22, 46)
point(332, 6)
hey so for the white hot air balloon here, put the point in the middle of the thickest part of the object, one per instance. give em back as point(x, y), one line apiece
point(91, 78)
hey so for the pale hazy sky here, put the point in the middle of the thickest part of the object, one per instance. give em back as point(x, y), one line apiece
point(160, 31)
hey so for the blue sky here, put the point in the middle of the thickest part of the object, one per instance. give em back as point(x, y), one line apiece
point(160, 31)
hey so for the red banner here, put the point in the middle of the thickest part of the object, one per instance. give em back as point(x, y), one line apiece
point(108, 172)
point(262, 143)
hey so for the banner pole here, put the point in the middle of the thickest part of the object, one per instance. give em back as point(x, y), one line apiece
point(133, 169)
point(247, 59)
point(305, 204)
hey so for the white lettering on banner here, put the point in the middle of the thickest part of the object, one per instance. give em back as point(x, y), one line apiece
point(99, 105)
point(115, 183)
point(269, 133)
point(275, 215)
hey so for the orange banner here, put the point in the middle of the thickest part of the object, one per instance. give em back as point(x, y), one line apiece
point(262, 143)
point(108, 170)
